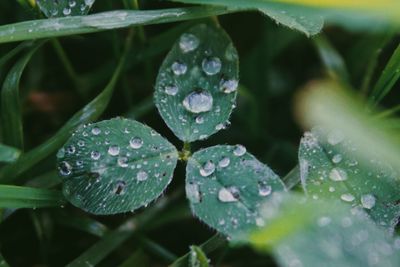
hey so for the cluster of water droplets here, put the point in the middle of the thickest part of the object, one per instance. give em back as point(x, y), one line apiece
point(62, 8)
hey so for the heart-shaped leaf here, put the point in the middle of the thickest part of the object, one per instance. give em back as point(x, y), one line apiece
point(226, 185)
point(330, 169)
point(63, 8)
point(197, 82)
point(115, 166)
point(322, 233)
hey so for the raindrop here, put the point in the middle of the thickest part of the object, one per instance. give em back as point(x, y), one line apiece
point(211, 66)
point(239, 150)
point(368, 201)
point(198, 101)
point(337, 175)
point(228, 86)
point(188, 42)
point(178, 68)
point(72, 3)
point(113, 150)
point(64, 168)
point(171, 90)
point(199, 119)
point(119, 188)
point(224, 162)
point(207, 169)
point(337, 158)
point(228, 194)
point(264, 189)
point(347, 197)
point(136, 142)
point(142, 176)
point(96, 131)
point(95, 155)
point(193, 193)
point(71, 149)
point(123, 162)
point(81, 143)
point(67, 11)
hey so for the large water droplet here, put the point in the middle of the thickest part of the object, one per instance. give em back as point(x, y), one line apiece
point(230, 194)
point(178, 68)
point(171, 90)
point(96, 131)
point(239, 150)
point(95, 155)
point(368, 201)
point(142, 176)
point(264, 189)
point(64, 168)
point(211, 66)
point(228, 86)
point(136, 142)
point(193, 193)
point(198, 101)
point(113, 150)
point(337, 175)
point(188, 42)
point(347, 197)
point(224, 162)
point(207, 169)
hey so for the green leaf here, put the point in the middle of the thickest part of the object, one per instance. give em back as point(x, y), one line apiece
point(81, 223)
point(115, 166)
point(329, 169)
point(197, 257)
point(3, 262)
point(55, 27)
point(64, 8)
point(11, 113)
point(196, 85)
point(387, 79)
point(8, 154)
point(322, 233)
point(226, 185)
point(27, 197)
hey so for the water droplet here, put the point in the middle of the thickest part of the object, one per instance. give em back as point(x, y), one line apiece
point(72, 3)
point(71, 149)
point(335, 138)
point(193, 193)
point(337, 158)
point(64, 168)
point(119, 188)
point(81, 143)
point(337, 175)
point(171, 90)
point(178, 68)
point(89, 2)
point(239, 150)
point(207, 169)
point(142, 176)
point(347, 197)
point(323, 221)
point(228, 86)
point(228, 194)
point(96, 131)
point(136, 142)
point(113, 150)
point(264, 189)
point(368, 201)
point(123, 162)
point(198, 101)
point(199, 119)
point(95, 155)
point(211, 66)
point(67, 11)
point(260, 222)
point(188, 42)
point(224, 162)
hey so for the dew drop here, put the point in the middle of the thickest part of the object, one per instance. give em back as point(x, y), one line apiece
point(199, 119)
point(228, 194)
point(337, 158)
point(337, 175)
point(178, 68)
point(136, 142)
point(335, 138)
point(188, 42)
point(96, 131)
point(260, 222)
point(211, 66)
point(123, 162)
point(207, 169)
point(347, 197)
point(142, 176)
point(198, 101)
point(228, 86)
point(368, 201)
point(171, 90)
point(71, 149)
point(113, 150)
point(239, 150)
point(67, 11)
point(193, 193)
point(264, 189)
point(64, 168)
point(224, 162)
point(95, 155)
point(72, 3)
point(119, 188)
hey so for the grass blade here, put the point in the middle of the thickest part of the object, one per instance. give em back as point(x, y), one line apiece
point(11, 113)
point(27, 197)
point(4, 59)
point(8, 154)
point(138, 258)
point(81, 223)
point(3, 262)
point(54, 27)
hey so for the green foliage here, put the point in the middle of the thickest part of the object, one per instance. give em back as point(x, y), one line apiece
point(8, 154)
point(196, 85)
point(115, 166)
point(226, 185)
point(63, 8)
point(197, 257)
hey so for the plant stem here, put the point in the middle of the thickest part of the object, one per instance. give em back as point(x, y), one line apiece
point(186, 152)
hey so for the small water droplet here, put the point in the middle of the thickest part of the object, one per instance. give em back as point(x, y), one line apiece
point(178, 68)
point(71, 149)
point(368, 201)
point(264, 189)
point(323, 221)
point(142, 176)
point(347, 197)
point(171, 90)
point(198, 101)
point(337, 158)
point(239, 150)
point(199, 119)
point(64, 168)
point(207, 169)
point(211, 66)
point(193, 192)
point(123, 162)
point(224, 162)
point(188, 42)
point(136, 142)
point(96, 131)
point(81, 143)
point(113, 150)
point(95, 155)
point(228, 194)
point(228, 86)
point(67, 11)
point(119, 188)
point(335, 137)
point(338, 174)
